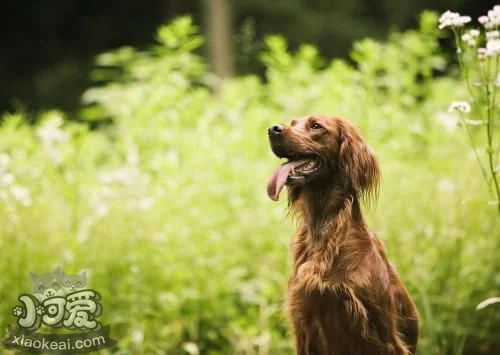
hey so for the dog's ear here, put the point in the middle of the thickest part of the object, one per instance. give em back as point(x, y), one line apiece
point(357, 162)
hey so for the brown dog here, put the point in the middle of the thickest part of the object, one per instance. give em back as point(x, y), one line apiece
point(344, 297)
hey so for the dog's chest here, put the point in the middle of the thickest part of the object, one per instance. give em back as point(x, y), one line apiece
point(326, 318)
point(339, 259)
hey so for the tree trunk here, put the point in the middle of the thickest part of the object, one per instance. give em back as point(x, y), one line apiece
point(218, 23)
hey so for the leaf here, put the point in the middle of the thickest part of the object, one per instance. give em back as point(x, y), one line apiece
point(474, 122)
point(487, 302)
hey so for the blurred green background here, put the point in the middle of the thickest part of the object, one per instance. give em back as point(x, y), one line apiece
point(48, 49)
point(129, 148)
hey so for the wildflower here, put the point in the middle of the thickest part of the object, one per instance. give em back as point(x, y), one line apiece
point(474, 33)
point(452, 19)
point(101, 210)
point(460, 106)
point(466, 37)
point(447, 120)
point(6, 179)
point(446, 185)
point(146, 203)
point(4, 161)
point(68, 255)
point(137, 336)
point(124, 175)
point(492, 47)
point(448, 16)
point(494, 16)
point(51, 131)
point(483, 20)
point(21, 194)
point(470, 37)
point(191, 348)
point(492, 35)
point(462, 20)
point(481, 53)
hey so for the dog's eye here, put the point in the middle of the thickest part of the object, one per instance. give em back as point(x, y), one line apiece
point(315, 126)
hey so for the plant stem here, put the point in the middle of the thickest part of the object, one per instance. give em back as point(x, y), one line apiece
point(490, 96)
point(465, 73)
point(490, 119)
point(476, 155)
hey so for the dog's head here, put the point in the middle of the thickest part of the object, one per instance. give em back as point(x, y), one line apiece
point(322, 151)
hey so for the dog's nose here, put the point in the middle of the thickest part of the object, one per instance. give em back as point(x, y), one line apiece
point(275, 130)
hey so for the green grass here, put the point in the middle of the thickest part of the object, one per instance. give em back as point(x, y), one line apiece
point(166, 207)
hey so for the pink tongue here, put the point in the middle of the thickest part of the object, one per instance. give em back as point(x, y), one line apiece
point(278, 180)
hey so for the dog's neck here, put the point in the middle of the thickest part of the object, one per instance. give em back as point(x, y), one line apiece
point(326, 210)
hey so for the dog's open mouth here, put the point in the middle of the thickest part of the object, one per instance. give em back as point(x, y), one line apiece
point(288, 173)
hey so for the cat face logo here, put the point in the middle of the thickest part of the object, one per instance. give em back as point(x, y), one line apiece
point(56, 283)
point(59, 299)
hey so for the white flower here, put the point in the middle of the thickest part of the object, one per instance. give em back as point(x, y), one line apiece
point(462, 20)
point(446, 185)
point(101, 210)
point(492, 35)
point(21, 194)
point(492, 47)
point(448, 15)
point(124, 175)
point(51, 131)
point(452, 19)
point(6, 179)
point(467, 37)
point(471, 41)
point(447, 120)
point(494, 17)
point(471, 37)
point(460, 106)
point(481, 53)
point(137, 336)
point(474, 33)
point(68, 255)
point(146, 203)
point(483, 20)
point(489, 26)
point(191, 348)
point(4, 161)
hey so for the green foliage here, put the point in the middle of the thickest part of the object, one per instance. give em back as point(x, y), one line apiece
point(167, 209)
point(478, 53)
